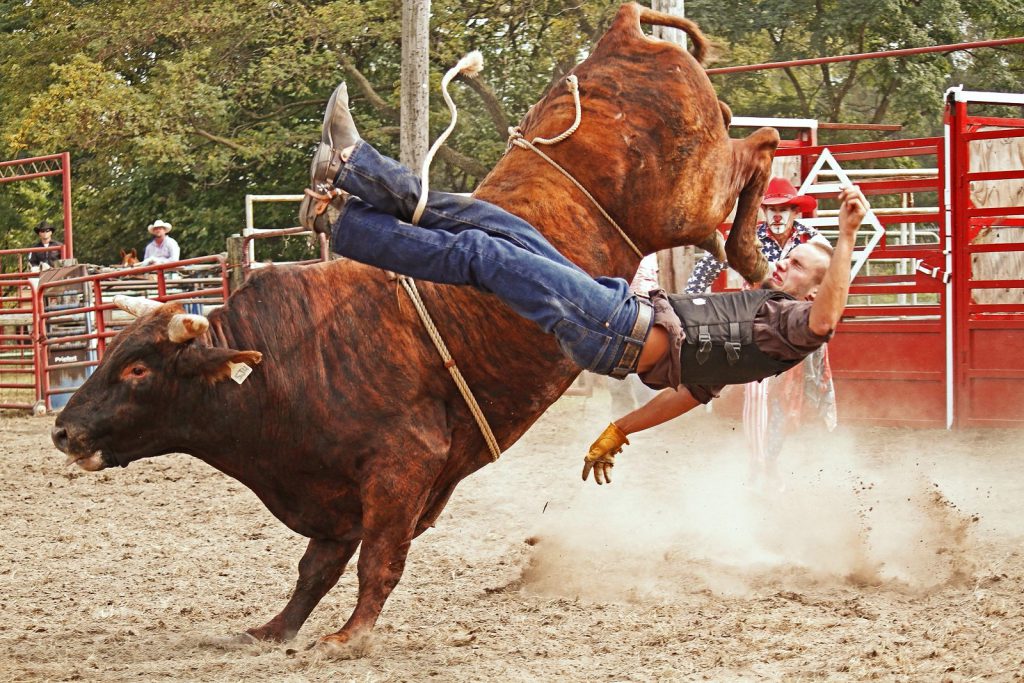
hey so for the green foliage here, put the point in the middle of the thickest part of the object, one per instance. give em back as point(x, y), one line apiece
point(907, 91)
point(177, 110)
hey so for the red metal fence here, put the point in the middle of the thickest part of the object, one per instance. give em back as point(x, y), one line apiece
point(987, 256)
point(54, 328)
point(891, 340)
point(935, 321)
point(19, 364)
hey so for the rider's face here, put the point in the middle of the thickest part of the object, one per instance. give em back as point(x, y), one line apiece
point(800, 273)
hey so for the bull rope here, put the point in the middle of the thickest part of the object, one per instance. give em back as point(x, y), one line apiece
point(442, 349)
point(516, 138)
point(471, 64)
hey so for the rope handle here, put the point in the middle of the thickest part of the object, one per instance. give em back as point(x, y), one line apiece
point(573, 84)
point(517, 139)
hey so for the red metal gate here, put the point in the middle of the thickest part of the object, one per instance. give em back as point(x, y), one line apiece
point(47, 166)
point(888, 356)
point(933, 330)
point(986, 219)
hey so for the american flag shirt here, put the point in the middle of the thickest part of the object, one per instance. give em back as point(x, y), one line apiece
point(708, 268)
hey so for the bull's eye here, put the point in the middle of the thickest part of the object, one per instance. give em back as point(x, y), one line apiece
point(135, 371)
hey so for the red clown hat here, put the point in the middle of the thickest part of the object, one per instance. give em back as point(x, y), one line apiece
point(781, 191)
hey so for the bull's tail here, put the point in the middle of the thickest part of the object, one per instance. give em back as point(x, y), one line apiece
point(700, 46)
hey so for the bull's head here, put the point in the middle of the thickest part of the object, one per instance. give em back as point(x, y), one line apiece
point(151, 374)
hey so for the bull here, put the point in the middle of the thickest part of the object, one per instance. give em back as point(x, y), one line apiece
point(349, 429)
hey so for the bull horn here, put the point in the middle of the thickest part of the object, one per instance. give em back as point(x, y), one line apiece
point(186, 326)
point(136, 305)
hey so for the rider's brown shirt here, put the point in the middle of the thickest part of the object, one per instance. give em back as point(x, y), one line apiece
point(781, 329)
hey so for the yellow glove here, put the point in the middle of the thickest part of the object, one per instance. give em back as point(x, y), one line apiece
point(601, 457)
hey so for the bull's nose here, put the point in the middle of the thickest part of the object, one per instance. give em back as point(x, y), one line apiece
point(60, 438)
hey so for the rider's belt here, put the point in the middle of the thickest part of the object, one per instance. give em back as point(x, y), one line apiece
point(635, 342)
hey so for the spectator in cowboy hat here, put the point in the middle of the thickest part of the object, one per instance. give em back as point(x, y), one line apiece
point(41, 260)
point(163, 248)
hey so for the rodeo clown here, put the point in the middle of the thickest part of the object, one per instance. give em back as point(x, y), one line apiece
point(772, 408)
point(686, 345)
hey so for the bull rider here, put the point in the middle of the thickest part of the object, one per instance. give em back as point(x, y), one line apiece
point(685, 345)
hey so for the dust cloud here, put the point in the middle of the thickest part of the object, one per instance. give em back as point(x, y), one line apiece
point(693, 522)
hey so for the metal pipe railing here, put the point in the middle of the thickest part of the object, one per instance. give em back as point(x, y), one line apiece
point(882, 54)
point(91, 308)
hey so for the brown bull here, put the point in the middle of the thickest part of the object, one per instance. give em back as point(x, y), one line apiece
point(350, 430)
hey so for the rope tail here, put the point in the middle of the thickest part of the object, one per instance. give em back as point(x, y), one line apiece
point(471, 65)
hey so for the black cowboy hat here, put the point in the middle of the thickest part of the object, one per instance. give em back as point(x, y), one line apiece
point(43, 226)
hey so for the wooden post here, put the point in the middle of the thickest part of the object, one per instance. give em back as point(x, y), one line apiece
point(676, 264)
point(415, 82)
point(236, 262)
point(674, 268)
point(676, 8)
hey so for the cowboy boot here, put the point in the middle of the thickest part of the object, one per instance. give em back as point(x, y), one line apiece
point(338, 132)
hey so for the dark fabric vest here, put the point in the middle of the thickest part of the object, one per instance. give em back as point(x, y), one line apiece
point(719, 347)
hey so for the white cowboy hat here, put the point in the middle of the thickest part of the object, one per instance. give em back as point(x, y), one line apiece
point(159, 224)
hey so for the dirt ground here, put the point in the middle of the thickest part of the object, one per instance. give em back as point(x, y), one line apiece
point(891, 555)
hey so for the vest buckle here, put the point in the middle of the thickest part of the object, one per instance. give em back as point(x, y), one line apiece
point(732, 347)
point(732, 352)
point(704, 337)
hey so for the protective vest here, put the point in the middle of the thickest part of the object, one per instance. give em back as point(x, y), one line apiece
point(720, 347)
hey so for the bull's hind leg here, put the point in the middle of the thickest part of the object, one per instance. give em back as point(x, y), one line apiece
point(319, 569)
point(394, 499)
point(752, 158)
point(387, 537)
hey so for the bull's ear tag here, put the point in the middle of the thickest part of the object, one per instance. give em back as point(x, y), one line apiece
point(239, 371)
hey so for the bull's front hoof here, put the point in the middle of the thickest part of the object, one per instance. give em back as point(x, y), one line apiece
point(343, 646)
point(270, 632)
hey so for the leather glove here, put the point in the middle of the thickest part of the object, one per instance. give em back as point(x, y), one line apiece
point(601, 457)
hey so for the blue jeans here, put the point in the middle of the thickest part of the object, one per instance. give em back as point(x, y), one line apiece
point(598, 323)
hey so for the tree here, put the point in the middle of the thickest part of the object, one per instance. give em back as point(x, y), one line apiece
point(177, 110)
point(907, 91)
